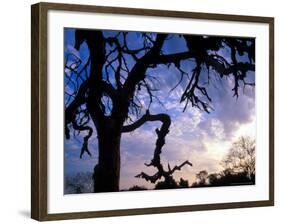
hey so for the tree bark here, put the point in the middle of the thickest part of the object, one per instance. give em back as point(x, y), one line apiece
point(107, 172)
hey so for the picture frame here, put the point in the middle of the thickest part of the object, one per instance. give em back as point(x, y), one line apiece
point(41, 156)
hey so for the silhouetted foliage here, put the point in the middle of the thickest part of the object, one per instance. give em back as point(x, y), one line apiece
point(183, 183)
point(241, 157)
point(170, 183)
point(239, 167)
point(230, 179)
point(105, 88)
point(201, 177)
point(78, 183)
point(137, 188)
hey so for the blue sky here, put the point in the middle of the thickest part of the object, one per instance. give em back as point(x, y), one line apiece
point(201, 138)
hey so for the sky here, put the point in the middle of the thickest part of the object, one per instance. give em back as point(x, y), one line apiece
point(203, 139)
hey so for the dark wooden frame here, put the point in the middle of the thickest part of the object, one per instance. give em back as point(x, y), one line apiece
point(39, 110)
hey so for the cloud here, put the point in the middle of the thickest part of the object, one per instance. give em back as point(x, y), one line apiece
point(230, 111)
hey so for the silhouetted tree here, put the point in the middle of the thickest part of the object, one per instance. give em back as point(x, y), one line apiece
point(170, 183)
point(241, 157)
point(78, 183)
point(229, 179)
point(213, 179)
point(183, 183)
point(239, 165)
point(105, 89)
point(137, 188)
point(202, 177)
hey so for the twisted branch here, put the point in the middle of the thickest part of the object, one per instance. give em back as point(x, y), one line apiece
point(86, 138)
point(160, 142)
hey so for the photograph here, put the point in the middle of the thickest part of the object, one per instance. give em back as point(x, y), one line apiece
point(152, 111)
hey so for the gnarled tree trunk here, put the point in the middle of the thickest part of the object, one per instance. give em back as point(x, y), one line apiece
point(107, 172)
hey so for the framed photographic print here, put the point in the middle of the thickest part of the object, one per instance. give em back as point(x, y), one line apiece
point(138, 111)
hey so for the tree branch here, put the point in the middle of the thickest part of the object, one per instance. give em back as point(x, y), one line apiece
point(160, 142)
point(164, 118)
point(137, 73)
point(86, 138)
point(172, 58)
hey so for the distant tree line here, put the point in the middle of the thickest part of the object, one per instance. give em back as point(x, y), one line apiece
point(78, 183)
point(239, 167)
